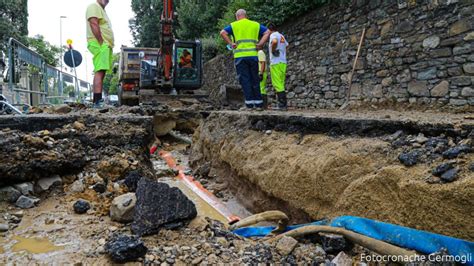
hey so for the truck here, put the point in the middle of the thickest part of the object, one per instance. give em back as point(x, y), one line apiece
point(175, 67)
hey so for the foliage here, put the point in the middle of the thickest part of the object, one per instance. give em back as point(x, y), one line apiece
point(276, 11)
point(210, 48)
point(45, 49)
point(13, 21)
point(69, 91)
point(198, 18)
point(203, 19)
point(146, 24)
point(111, 80)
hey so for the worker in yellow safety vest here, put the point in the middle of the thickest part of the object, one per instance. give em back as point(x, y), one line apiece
point(246, 35)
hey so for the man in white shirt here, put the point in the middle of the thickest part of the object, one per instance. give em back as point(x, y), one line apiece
point(262, 73)
point(277, 50)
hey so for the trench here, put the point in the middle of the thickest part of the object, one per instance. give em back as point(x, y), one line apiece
point(315, 167)
point(239, 197)
point(322, 166)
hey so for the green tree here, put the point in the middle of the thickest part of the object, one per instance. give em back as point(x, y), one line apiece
point(111, 79)
point(69, 90)
point(198, 18)
point(145, 26)
point(13, 21)
point(203, 19)
point(276, 11)
point(45, 49)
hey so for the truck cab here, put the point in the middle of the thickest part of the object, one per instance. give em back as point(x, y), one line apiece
point(129, 70)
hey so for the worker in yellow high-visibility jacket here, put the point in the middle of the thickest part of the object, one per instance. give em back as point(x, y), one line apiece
point(246, 41)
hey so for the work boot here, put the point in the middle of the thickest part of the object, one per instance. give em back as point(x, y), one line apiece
point(282, 103)
point(245, 108)
point(265, 101)
point(98, 104)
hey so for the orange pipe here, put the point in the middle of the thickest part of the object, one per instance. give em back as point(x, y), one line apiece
point(196, 186)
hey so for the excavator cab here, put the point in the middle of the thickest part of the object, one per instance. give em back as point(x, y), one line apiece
point(187, 60)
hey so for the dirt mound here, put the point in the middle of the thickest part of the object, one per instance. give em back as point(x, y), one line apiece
point(327, 177)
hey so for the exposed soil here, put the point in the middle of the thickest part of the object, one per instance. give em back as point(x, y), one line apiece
point(248, 166)
point(53, 233)
point(330, 176)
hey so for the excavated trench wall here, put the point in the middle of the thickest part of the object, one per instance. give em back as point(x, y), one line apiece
point(40, 146)
point(416, 53)
point(317, 168)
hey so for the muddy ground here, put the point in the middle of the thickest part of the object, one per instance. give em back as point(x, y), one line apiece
point(105, 147)
point(251, 167)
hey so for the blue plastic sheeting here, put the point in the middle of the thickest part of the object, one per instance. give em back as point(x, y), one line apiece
point(421, 241)
point(261, 231)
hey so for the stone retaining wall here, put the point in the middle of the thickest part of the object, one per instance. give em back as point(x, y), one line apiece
point(417, 52)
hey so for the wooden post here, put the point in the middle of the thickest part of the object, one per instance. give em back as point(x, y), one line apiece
point(352, 72)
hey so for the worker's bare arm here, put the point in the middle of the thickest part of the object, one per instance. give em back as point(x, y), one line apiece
point(274, 45)
point(264, 39)
point(94, 22)
point(225, 36)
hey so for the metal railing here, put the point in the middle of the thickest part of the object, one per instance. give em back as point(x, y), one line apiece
point(50, 87)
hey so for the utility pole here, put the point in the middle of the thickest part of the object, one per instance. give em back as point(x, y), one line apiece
point(60, 87)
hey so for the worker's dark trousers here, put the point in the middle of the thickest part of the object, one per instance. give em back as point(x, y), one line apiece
point(247, 73)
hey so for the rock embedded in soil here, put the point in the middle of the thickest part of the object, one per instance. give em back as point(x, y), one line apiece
point(409, 158)
point(78, 126)
point(25, 188)
point(203, 169)
point(99, 188)
point(394, 136)
point(124, 248)
point(199, 223)
point(158, 206)
point(122, 208)
point(319, 251)
point(342, 259)
point(449, 175)
point(437, 144)
point(167, 173)
point(81, 206)
point(4, 227)
point(62, 109)
point(9, 194)
point(471, 167)
point(286, 245)
point(196, 261)
point(77, 187)
point(131, 180)
point(44, 184)
point(442, 168)
point(421, 139)
point(334, 244)
point(113, 168)
point(25, 202)
point(456, 151)
point(18, 214)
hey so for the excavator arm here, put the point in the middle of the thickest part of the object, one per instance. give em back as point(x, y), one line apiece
point(146, 74)
point(167, 40)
